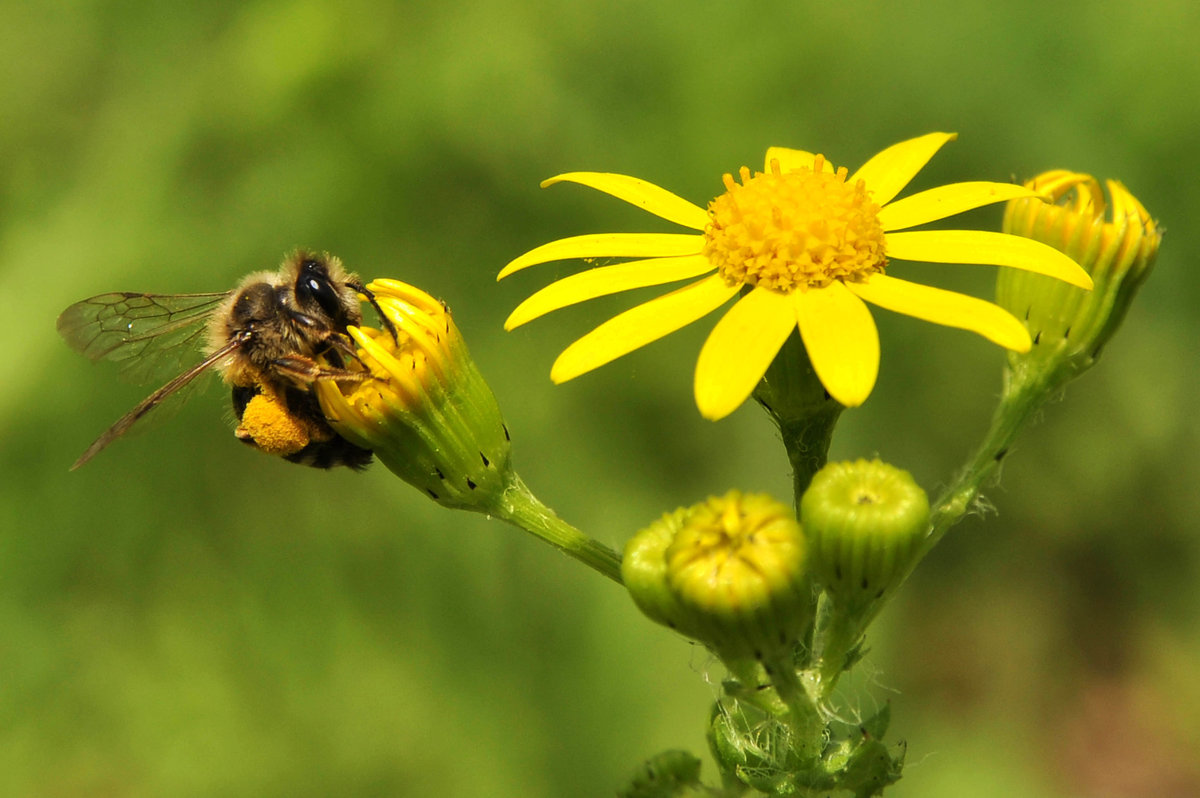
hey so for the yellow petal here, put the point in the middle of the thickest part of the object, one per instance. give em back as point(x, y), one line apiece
point(791, 160)
point(608, 245)
point(646, 196)
point(945, 307)
point(888, 172)
point(604, 281)
point(640, 325)
point(841, 339)
point(978, 246)
point(938, 203)
point(739, 349)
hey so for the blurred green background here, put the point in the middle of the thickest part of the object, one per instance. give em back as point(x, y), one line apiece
point(187, 617)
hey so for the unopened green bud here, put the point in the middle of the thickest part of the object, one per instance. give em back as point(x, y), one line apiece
point(864, 522)
point(423, 408)
point(730, 571)
point(1070, 326)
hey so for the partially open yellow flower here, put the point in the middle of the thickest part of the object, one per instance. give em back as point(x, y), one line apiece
point(423, 407)
point(806, 246)
point(1116, 241)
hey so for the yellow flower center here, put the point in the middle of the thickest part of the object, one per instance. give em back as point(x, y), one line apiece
point(796, 230)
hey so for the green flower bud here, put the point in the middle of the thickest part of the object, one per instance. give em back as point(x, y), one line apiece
point(729, 571)
point(424, 408)
point(864, 522)
point(1070, 326)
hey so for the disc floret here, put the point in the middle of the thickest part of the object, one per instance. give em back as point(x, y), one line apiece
point(796, 230)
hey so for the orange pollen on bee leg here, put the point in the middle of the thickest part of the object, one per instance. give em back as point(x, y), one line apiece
point(267, 424)
point(794, 230)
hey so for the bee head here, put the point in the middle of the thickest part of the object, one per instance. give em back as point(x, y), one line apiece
point(321, 286)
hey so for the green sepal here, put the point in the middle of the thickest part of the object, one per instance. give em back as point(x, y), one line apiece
point(871, 768)
point(801, 408)
point(876, 726)
point(725, 743)
point(670, 774)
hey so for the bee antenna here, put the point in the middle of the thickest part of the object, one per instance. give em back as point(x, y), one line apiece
point(383, 319)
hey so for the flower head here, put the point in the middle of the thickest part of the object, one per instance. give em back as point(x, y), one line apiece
point(864, 522)
point(425, 410)
point(1069, 327)
point(730, 571)
point(805, 246)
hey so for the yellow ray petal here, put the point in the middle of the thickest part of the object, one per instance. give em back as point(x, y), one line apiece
point(640, 325)
point(607, 280)
point(741, 346)
point(978, 246)
point(841, 339)
point(791, 160)
point(608, 245)
point(938, 203)
point(641, 193)
point(889, 171)
point(945, 307)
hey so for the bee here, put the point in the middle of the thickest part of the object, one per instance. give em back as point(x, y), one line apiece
point(271, 338)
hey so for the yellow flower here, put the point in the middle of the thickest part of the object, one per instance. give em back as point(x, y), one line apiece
point(1115, 241)
point(806, 246)
point(423, 408)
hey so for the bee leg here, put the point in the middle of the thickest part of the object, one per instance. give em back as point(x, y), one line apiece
point(383, 319)
point(305, 371)
point(342, 377)
point(341, 345)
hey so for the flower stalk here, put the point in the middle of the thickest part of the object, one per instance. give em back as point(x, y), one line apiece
point(518, 506)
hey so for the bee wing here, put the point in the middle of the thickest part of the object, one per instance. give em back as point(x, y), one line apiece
point(148, 334)
point(153, 400)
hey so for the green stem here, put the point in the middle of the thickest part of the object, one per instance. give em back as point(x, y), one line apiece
point(518, 506)
point(803, 716)
point(843, 628)
point(805, 414)
point(838, 640)
point(807, 442)
point(1023, 396)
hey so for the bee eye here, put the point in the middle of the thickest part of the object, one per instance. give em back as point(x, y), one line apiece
point(314, 286)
